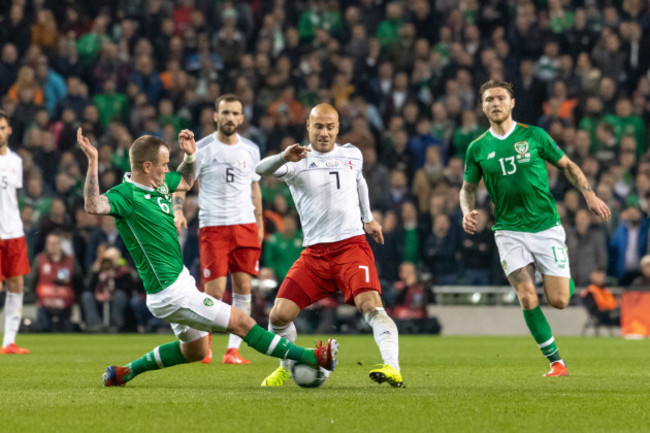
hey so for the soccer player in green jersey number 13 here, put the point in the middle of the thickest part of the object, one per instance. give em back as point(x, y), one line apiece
point(511, 158)
point(142, 207)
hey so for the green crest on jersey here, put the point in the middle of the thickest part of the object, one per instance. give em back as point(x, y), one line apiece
point(521, 147)
point(163, 189)
point(208, 302)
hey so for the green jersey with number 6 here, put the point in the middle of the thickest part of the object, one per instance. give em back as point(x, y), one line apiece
point(514, 170)
point(145, 220)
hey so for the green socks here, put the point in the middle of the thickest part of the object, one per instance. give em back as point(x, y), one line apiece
point(541, 331)
point(163, 356)
point(572, 287)
point(272, 344)
point(258, 338)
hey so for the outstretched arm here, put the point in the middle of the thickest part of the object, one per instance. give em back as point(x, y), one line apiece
point(271, 164)
point(467, 205)
point(187, 168)
point(579, 180)
point(94, 203)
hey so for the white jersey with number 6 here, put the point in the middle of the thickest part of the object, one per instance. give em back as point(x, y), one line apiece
point(225, 173)
point(11, 179)
point(324, 188)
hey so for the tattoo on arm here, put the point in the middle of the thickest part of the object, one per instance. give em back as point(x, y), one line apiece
point(468, 197)
point(94, 203)
point(577, 177)
point(188, 171)
point(177, 203)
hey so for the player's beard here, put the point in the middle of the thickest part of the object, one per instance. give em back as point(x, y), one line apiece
point(228, 130)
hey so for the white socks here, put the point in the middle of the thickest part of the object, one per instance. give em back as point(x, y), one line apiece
point(289, 332)
point(243, 302)
point(385, 332)
point(13, 314)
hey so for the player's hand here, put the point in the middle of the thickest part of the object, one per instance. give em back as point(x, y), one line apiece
point(470, 222)
point(179, 221)
point(186, 141)
point(599, 208)
point(86, 147)
point(295, 153)
point(373, 228)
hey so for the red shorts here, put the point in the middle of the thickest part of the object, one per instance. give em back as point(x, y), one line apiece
point(13, 258)
point(322, 269)
point(228, 249)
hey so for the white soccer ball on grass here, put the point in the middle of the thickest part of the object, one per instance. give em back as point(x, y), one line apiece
point(308, 376)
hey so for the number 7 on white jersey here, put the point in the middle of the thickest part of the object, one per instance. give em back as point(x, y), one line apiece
point(365, 268)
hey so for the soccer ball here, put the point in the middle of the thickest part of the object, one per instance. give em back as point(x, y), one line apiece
point(308, 376)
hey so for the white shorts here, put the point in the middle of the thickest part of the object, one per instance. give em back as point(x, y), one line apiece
point(190, 313)
point(546, 249)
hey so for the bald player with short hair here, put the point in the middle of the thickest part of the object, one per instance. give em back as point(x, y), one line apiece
point(331, 196)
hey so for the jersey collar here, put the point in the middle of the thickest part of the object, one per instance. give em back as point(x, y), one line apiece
point(216, 137)
point(315, 152)
point(127, 178)
point(507, 134)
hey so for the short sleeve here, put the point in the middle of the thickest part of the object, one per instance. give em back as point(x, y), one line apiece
point(172, 179)
point(548, 148)
point(121, 206)
point(473, 171)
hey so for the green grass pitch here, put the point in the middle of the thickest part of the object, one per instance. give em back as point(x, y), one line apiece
point(454, 384)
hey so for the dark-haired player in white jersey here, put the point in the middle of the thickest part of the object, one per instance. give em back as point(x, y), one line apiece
point(13, 249)
point(230, 213)
point(331, 196)
point(511, 158)
point(141, 205)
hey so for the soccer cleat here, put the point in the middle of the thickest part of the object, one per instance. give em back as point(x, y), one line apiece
point(13, 349)
point(326, 355)
point(278, 378)
point(557, 369)
point(208, 357)
point(114, 375)
point(232, 356)
point(387, 373)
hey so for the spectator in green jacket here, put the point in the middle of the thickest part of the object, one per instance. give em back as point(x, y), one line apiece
point(283, 247)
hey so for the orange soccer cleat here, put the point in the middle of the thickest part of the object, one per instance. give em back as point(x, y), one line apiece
point(13, 349)
point(557, 369)
point(232, 356)
point(326, 355)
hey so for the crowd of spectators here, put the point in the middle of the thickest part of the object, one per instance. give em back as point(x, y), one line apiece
point(402, 74)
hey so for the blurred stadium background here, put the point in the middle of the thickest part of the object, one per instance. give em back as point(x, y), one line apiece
point(404, 76)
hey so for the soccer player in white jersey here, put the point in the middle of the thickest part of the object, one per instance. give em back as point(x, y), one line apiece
point(141, 205)
point(231, 228)
point(13, 249)
point(331, 196)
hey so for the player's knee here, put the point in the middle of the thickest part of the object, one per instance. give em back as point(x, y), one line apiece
point(559, 302)
point(277, 317)
point(240, 322)
point(196, 350)
point(528, 301)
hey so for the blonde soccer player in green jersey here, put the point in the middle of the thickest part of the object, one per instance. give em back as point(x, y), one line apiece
point(511, 158)
point(142, 208)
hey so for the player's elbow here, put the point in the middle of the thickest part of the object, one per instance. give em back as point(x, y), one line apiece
point(92, 208)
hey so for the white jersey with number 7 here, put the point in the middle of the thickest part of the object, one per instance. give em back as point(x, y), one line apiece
point(324, 187)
